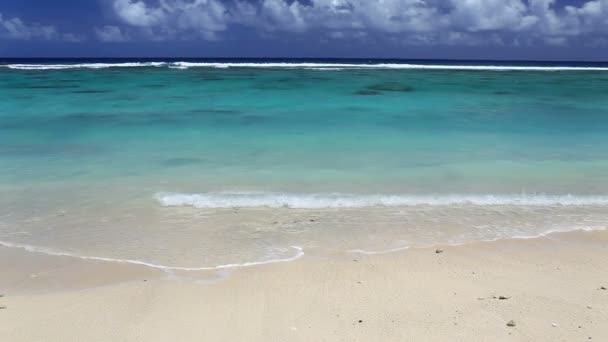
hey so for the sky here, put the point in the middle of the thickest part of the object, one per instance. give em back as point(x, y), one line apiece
point(433, 29)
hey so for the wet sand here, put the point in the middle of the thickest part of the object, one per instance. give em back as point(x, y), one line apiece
point(552, 289)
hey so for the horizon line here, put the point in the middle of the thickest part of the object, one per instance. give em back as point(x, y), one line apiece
point(303, 58)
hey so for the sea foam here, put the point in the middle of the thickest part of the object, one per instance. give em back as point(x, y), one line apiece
point(43, 250)
point(319, 201)
point(82, 66)
point(310, 66)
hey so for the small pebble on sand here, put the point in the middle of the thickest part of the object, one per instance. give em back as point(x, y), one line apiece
point(2, 307)
point(438, 251)
point(504, 297)
point(555, 325)
point(603, 288)
point(511, 323)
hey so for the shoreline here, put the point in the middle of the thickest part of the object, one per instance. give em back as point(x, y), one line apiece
point(38, 255)
point(552, 289)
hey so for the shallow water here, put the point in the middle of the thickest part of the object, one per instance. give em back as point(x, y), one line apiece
point(147, 162)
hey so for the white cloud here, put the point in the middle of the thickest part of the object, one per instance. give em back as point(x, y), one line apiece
point(170, 17)
point(430, 21)
point(555, 41)
point(137, 13)
point(485, 15)
point(110, 34)
point(17, 29)
point(599, 42)
point(72, 37)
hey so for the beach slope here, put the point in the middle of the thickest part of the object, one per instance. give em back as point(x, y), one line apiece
point(551, 288)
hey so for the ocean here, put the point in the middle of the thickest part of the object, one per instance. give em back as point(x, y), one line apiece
point(204, 164)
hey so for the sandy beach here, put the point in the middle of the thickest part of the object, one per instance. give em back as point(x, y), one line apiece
point(551, 288)
point(303, 170)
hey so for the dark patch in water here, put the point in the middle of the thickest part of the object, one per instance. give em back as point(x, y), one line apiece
point(502, 92)
point(176, 162)
point(45, 86)
point(216, 111)
point(361, 73)
point(366, 92)
point(254, 119)
point(23, 97)
point(86, 118)
point(238, 74)
point(176, 97)
point(128, 98)
point(357, 108)
point(39, 77)
point(153, 86)
point(91, 91)
point(274, 86)
point(208, 77)
point(391, 86)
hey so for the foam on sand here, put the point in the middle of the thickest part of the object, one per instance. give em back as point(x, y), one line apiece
point(34, 249)
point(513, 237)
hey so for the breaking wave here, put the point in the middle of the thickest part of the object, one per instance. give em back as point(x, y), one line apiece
point(319, 201)
point(311, 66)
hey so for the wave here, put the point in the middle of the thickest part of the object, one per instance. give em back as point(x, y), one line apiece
point(342, 66)
point(501, 238)
point(82, 66)
point(299, 251)
point(34, 249)
point(320, 201)
point(311, 66)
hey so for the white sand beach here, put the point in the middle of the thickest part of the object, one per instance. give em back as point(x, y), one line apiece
point(551, 289)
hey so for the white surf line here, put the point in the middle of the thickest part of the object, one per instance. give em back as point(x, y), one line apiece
point(367, 252)
point(82, 66)
point(310, 66)
point(320, 201)
point(542, 234)
point(34, 249)
point(516, 237)
point(335, 66)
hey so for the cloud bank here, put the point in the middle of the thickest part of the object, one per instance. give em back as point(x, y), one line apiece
point(111, 34)
point(17, 29)
point(414, 22)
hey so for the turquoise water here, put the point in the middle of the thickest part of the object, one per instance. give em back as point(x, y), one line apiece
point(110, 138)
point(204, 129)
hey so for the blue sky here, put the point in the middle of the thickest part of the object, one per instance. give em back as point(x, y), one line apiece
point(450, 29)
